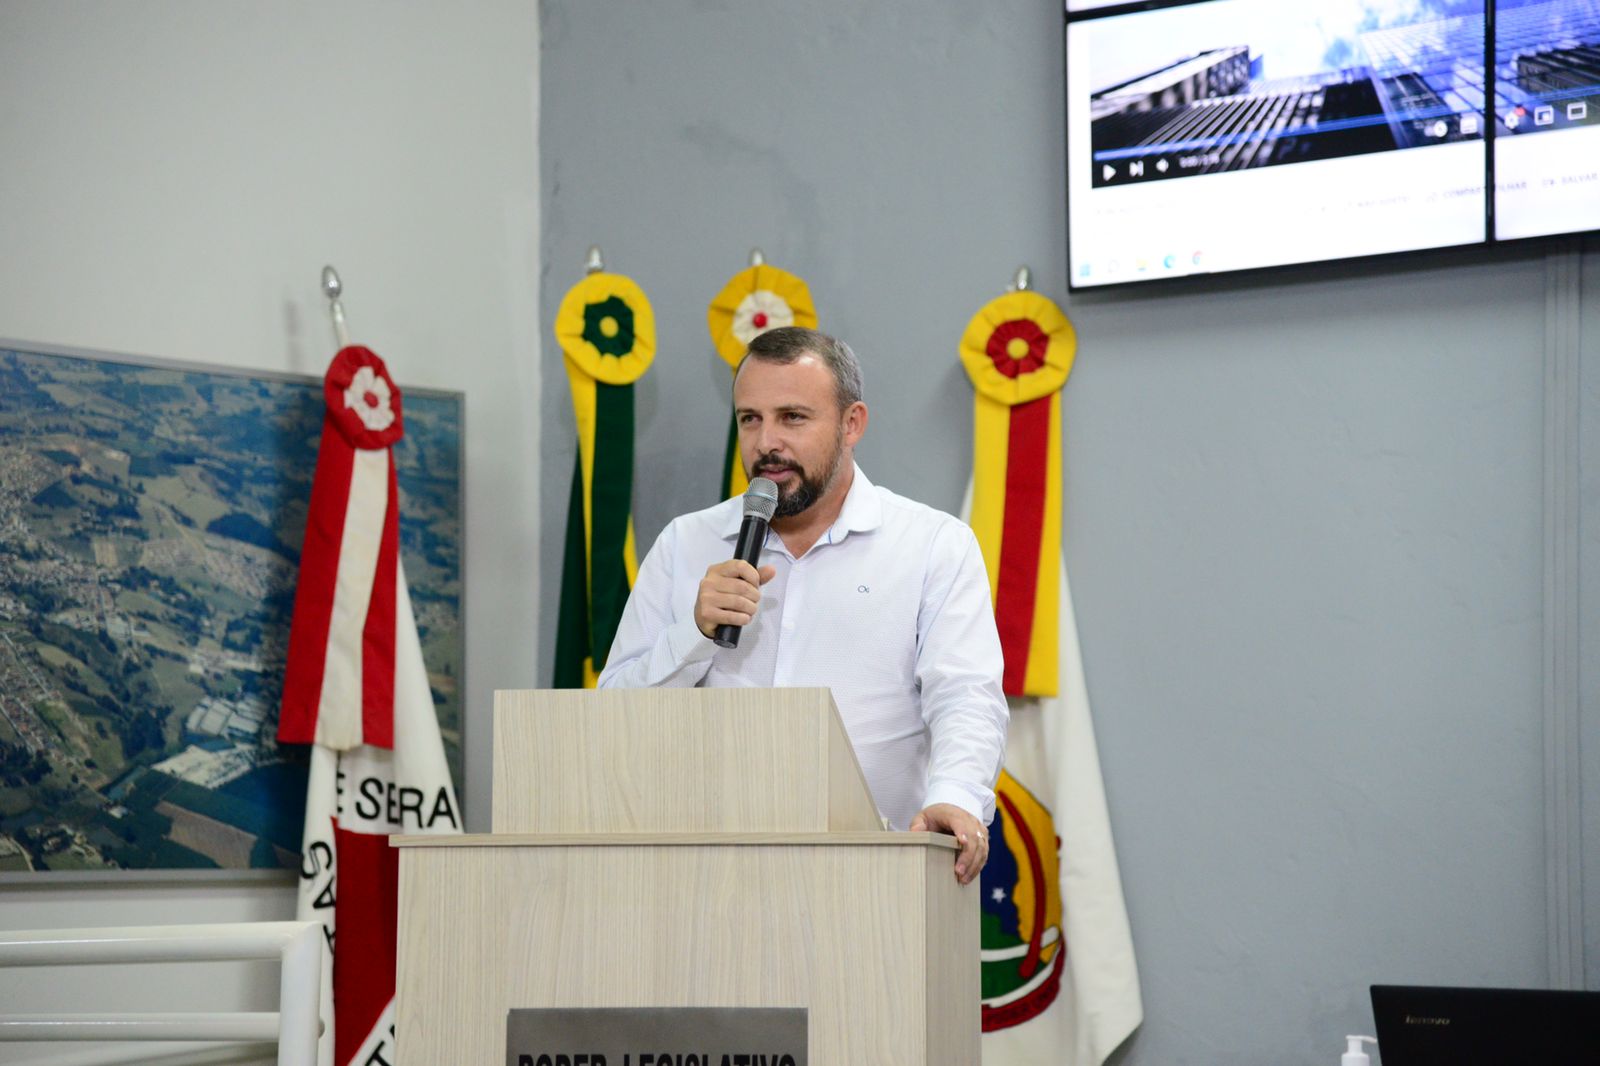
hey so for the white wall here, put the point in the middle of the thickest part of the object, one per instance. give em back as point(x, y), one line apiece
point(175, 174)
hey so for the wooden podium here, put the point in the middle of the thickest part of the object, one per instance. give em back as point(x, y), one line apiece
point(686, 848)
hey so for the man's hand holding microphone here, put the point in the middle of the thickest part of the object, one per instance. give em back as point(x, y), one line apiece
point(729, 594)
point(731, 591)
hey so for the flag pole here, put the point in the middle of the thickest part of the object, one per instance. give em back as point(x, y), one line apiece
point(332, 288)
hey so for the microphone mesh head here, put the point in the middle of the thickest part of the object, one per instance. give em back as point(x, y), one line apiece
point(761, 499)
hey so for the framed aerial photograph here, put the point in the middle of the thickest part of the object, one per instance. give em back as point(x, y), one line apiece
point(151, 517)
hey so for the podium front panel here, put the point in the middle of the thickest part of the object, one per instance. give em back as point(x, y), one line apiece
point(876, 940)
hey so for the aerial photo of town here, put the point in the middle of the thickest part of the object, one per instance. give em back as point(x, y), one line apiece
point(150, 526)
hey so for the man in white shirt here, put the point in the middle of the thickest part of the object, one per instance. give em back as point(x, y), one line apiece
point(881, 599)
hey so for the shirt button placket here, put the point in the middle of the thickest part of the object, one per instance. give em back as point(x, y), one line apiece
point(793, 607)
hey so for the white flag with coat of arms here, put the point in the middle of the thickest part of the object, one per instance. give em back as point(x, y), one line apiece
point(1060, 982)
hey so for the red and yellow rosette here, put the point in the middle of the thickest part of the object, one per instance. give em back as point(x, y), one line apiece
point(607, 334)
point(1018, 350)
point(753, 301)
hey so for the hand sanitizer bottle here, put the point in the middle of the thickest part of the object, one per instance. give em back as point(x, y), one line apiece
point(1355, 1054)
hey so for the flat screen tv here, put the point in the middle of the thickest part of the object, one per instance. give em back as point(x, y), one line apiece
point(1546, 117)
point(1225, 135)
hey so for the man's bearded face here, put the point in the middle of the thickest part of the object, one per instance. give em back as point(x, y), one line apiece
point(804, 488)
point(792, 429)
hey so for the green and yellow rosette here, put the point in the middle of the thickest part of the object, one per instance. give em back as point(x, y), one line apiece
point(753, 301)
point(607, 334)
point(1018, 351)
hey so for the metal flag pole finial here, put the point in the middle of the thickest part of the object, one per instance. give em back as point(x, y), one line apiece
point(756, 258)
point(333, 288)
point(1023, 281)
point(594, 263)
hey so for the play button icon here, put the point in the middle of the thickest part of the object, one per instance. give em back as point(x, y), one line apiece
point(1108, 172)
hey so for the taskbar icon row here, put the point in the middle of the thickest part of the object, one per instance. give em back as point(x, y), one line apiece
point(1132, 268)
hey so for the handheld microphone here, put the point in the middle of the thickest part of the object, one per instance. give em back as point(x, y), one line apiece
point(760, 502)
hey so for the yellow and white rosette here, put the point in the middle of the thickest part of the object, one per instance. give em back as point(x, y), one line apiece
point(755, 300)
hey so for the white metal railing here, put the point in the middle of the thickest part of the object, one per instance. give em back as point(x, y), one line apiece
point(163, 1054)
point(295, 1025)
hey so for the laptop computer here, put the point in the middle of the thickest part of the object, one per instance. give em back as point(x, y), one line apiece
point(1429, 1026)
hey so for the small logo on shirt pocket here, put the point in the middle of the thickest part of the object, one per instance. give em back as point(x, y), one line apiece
point(862, 589)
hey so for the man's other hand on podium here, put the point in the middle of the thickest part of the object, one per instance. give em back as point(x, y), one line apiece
point(968, 831)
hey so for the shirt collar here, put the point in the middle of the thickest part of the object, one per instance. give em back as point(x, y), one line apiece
point(862, 511)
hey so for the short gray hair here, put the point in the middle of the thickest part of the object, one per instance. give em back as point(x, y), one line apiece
point(788, 343)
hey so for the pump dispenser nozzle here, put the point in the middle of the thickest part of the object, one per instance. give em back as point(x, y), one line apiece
point(1355, 1054)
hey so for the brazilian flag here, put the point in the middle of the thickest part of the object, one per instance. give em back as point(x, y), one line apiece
point(606, 330)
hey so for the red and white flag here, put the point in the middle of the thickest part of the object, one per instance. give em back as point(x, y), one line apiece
point(356, 688)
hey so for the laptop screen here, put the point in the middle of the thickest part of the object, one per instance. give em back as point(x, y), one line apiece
point(1430, 1026)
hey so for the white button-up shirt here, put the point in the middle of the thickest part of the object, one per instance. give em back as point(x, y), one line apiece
point(890, 609)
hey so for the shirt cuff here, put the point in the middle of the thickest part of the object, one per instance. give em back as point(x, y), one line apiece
point(976, 801)
point(687, 643)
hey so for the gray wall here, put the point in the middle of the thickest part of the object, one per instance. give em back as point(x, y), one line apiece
point(1315, 523)
point(1588, 536)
